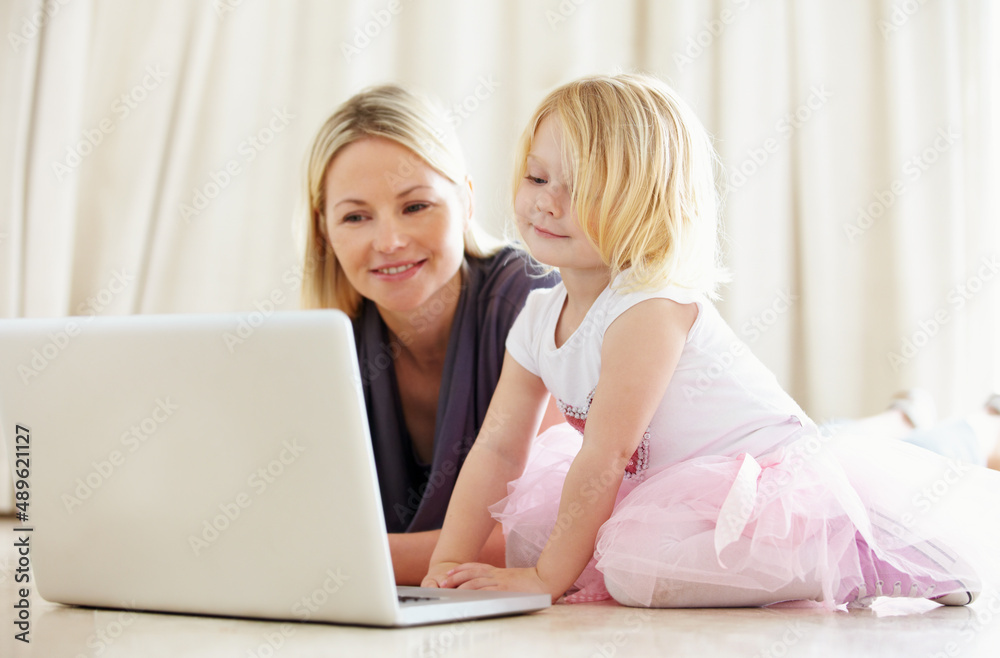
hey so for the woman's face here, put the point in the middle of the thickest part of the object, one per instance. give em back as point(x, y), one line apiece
point(395, 224)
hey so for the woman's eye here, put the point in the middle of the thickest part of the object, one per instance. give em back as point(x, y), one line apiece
point(353, 218)
point(415, 207)
point(536, 180)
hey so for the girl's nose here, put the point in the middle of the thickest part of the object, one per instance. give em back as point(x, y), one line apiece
point(547, 203)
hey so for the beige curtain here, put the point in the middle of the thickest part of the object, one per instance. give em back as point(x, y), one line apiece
point(154, 153)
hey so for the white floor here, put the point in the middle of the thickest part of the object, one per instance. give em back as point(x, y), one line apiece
point(891, 628)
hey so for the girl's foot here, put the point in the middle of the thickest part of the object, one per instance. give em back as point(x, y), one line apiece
point(992, 407)
point(907, 411)
point(917, 407)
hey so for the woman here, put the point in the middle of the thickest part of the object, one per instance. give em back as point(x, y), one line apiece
point(392, 243)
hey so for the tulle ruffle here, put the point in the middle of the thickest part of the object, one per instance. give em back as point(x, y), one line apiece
point(743, 530)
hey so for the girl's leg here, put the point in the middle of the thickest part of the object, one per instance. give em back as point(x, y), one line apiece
point(681, 594)
point(696, 578)
point(923, 577)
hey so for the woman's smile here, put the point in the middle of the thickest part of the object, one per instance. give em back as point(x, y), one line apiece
point(398, 271)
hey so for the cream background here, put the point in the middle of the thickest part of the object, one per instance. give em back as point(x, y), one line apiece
point(874, 81)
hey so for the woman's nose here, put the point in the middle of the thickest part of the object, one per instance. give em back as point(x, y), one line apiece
point(389, 234)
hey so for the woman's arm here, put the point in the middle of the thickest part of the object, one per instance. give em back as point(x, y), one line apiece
point(497, 456)
point(638, 357)
point(411, 553)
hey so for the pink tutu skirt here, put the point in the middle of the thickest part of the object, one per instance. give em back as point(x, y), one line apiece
point(727, 531)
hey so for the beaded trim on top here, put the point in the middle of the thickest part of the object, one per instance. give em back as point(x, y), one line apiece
point(577, 419)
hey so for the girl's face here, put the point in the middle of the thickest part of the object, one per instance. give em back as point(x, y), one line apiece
point(395, 224)
point(543, 209)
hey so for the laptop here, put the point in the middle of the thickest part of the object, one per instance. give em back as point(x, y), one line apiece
point(209, 464)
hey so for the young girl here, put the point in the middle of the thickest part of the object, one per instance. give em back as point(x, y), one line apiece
point(678, 494)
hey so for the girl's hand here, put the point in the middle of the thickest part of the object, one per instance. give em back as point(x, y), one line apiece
point(474, 575)
point(438, 574)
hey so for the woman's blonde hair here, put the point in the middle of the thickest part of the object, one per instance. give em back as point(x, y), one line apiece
point(643, 178)
point(388, 111)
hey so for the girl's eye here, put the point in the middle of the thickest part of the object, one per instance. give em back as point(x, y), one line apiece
point(353, 218)
point(415, 207)
point(536, 180)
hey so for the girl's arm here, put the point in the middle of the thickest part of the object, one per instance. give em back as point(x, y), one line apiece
point(638, 357)
point(497, 456)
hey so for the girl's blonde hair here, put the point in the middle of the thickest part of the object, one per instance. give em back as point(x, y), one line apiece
point(643, 179)
point(394, 113)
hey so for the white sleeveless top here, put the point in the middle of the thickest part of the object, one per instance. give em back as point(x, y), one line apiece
point(721, 399)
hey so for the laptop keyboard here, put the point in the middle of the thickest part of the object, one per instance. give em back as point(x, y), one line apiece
point(410, 599)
